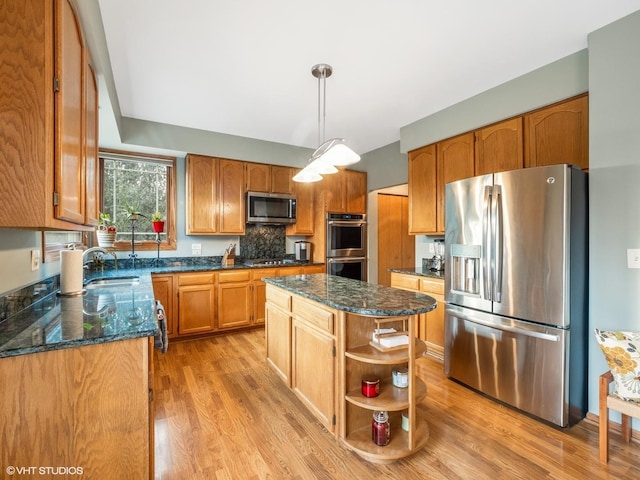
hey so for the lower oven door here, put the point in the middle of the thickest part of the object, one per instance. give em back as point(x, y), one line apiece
point(349, 267)
point(522, 364)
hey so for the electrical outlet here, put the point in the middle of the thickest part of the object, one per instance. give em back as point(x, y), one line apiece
point(430, 248)
point(633, 258)
point(35, 260)
point(196, 249)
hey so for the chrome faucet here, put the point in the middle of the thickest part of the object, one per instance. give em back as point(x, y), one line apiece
point(101, 250)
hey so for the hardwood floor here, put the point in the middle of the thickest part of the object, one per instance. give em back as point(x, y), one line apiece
point(220, 413)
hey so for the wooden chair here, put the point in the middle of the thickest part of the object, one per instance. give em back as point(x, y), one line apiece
point(626, 409)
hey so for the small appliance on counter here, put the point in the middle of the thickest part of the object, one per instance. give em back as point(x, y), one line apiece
point(303, 251)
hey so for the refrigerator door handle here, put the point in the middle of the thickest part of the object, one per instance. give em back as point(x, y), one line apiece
point(497, 242)
point(487, 287)
point(458, 313)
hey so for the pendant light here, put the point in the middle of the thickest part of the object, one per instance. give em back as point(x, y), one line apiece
point(330, 153)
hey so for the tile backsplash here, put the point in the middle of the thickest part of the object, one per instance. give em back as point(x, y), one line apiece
point(263, 241)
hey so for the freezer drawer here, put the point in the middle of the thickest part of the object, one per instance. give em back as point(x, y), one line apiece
point(518, 363)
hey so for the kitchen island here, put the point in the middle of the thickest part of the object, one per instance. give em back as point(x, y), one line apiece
point(319, 341)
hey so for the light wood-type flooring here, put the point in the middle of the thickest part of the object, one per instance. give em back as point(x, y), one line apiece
point(220, 413)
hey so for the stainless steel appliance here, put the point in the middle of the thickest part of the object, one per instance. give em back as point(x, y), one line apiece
point(303, 250)
point(346, 245)
point(516, 288)
point(271, 208)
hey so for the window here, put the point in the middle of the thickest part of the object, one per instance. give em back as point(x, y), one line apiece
point(145, 183)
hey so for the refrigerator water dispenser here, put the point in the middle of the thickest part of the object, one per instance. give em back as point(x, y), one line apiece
point(465, 268)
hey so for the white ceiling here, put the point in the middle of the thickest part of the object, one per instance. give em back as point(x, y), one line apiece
point(244, 67)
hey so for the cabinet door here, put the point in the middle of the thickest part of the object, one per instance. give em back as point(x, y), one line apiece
point(356, 191)
point(281, 179)
point(232, 201)
point(234, 305)
point(196, 309)
point(278, 341)
point(69, 145)
point(91, 147)
point(454, 162)
point(431, 328)
point(258, 177)
point(163, 292)
point(313, 370)
point(333, 192)
point(201, 194)
point(499, 147)
point(422, 190)
point(559, 134)
point(259, 293)
point(304, 193)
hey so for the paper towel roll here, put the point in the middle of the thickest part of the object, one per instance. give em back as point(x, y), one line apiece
point(70, 271)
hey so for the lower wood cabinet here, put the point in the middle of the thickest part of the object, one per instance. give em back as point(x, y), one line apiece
point(200, 303)
point(278, 332)
point(86, 408)
point(430, 325)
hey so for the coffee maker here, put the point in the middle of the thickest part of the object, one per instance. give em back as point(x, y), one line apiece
point(437, 262)
point(303, 251)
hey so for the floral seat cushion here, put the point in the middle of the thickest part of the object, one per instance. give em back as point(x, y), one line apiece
point(622, 352)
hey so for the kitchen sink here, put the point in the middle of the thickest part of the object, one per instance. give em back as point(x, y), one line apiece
point(112, 282)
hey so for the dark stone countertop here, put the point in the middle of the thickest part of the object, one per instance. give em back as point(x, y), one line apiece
point(354, 296)
point(421, 272)
point(107, 314)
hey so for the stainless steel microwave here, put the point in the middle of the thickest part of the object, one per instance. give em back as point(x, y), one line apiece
point(271, 208)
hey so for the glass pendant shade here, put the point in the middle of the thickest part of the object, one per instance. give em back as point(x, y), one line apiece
point(306, 175)
point(339, 155)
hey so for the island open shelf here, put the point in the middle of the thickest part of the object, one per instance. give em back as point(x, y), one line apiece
point(319, 331)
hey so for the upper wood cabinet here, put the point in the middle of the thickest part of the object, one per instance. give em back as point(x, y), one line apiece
point(422, 190)
point(454, 162)
point(343, 192)
point(92, 207)
point(214, 195)
point(499, 147)
point(558, 134)
point(305, 205)
point(42, 133)
point(262, 177)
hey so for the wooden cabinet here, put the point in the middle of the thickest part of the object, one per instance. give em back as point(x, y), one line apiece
point(92, 187)
point(430, 325)
point(499, 147)
point(235, 299)
point(87, 407)
point(558, 134)
point(259, 293)
point(396, 248)
point(313, 360)
point(42, 133)
point(344, 192)
point(305, 205)
point(196, 303)
point(422, 190)
point(164, 293)
point(214, 196)
point(454, 162)
point(278, 332)
point(262, 177)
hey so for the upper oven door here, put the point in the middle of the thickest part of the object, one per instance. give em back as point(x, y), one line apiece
point(346, 237)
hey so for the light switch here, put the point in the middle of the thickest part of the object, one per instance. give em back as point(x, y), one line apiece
point(196, 249)
point(633, 258)
point(35, 260)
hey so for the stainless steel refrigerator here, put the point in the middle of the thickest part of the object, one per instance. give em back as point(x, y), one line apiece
point(516, 289)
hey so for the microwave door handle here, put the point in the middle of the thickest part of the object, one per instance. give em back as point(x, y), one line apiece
point(486, 243)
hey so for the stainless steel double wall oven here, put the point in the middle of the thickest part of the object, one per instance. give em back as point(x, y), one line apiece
point(347, 245)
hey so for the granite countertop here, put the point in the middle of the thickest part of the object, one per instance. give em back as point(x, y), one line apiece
point(354, 296)
point(422, 272)
point(107, 314)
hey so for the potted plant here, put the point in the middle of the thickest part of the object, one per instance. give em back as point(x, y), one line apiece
point(106, 232)
point(133, 213)
point(157, 220)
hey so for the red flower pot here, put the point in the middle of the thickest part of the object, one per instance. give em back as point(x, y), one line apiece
point(158, 227)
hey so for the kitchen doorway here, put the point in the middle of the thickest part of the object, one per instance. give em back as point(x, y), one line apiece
point(396, 248)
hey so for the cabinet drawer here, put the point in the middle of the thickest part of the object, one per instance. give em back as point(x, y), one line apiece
point(432, 285)
point(279, 298)
point(313, 314)
point(237, 276)
point(406, 282)
point(264, 272)
point(196, 278)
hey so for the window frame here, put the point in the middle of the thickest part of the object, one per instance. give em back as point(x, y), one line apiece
point(170, 243)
